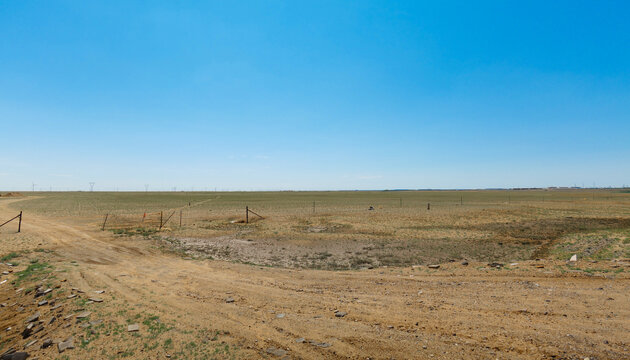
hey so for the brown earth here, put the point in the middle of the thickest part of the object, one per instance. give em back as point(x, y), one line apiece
point(530, 310)
point(12, 194)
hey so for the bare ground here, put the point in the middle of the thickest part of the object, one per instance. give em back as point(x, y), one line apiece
point(531, 310)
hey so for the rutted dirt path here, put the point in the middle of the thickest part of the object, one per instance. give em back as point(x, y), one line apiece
point(453, 312)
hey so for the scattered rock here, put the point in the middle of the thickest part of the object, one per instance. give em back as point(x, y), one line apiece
point(28, 330)
point(83, 315)
point(15, 356)
point(96, 300)
point(96, 322)
point(276, 351)
point(99, 291)
point(42, 303)
point(319, 344)
point(300, 340)
point(30, 343)
point(465, 263)
point(229, 300)
point(72, 296)
point(47, 343)
point(495, 265)
point(65, 345)
point(340, 314)
point(33, 317)
point(280, 316)
point(433, 266)
point(133, 328)
point(573, 258)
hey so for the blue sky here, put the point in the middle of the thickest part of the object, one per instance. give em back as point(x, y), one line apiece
point(268, 95)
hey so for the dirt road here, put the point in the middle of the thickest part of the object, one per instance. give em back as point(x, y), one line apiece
point(531, 310)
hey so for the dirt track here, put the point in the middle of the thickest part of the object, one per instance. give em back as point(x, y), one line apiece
point(456, 311)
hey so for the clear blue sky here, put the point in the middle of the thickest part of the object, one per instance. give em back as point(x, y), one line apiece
point(314, 95)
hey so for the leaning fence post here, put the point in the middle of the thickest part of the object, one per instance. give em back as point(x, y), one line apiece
point(104, 222)
point(20, 222)
point(180, 218)
point(246, 214)
point(160, 220)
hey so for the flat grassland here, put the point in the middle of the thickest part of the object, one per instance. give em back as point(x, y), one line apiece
point(337, 230)
point(324, 275)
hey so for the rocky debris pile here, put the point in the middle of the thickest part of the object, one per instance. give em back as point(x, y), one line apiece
point(41, 314)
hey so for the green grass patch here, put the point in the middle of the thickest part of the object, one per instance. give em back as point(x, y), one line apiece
point(33, 272)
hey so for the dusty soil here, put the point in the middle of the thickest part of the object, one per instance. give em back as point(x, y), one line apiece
point(199, 308)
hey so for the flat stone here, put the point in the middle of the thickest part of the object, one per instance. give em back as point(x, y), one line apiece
point(96, 300)
point(300, 340)
point(55, 307)
point(433, 266)
point(340, 314)
point(47, 343)
point(42, 303)
point(99, 291)
point(229, 300)
point(30, 343)
point(65, 345)
point(28, 330)
point(15, 356)
point(133, 328)
point(84, 314)
point(96, 322)
point(72, 296)
point(280, 316)
point(33, 317)
point(573, 258)
point(276, 351)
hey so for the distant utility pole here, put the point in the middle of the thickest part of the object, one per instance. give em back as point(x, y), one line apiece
point(146, 187)
point(34, 187)
point(92, 186)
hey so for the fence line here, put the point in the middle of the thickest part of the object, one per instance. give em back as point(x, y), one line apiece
point(13, 218)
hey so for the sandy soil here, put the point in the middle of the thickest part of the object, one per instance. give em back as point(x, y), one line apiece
point(530, 310)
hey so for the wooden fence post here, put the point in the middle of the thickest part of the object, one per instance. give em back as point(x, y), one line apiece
point(180, 218)
point(160, 220)
point(20, 222)
point(246, 214)
point(105, 222)
point(428, 206)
